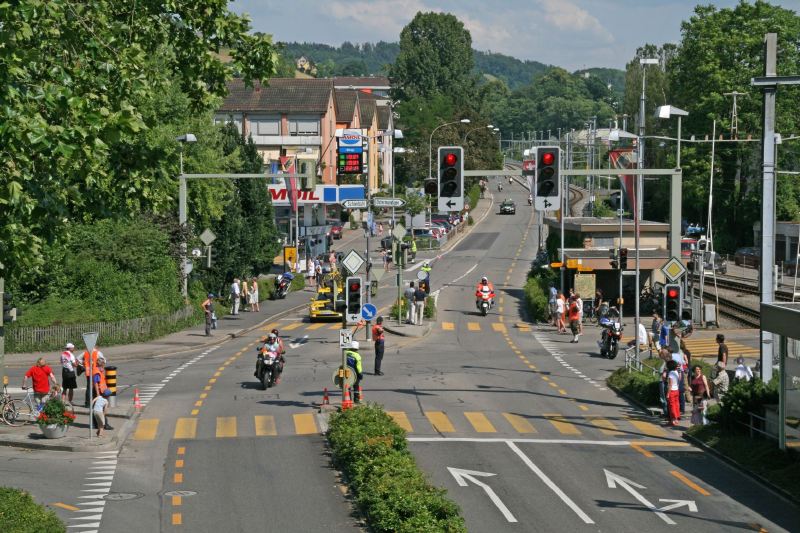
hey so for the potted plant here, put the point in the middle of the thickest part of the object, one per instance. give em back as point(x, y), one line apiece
point(54, 419)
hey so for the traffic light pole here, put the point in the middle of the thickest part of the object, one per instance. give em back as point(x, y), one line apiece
point(369, 232)
point(2, 331)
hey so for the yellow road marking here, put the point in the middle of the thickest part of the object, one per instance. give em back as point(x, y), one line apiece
point(562, 425)
point(336, 326)
point(292, 326)
point(500, 301)
point(532, 367)
point(221, 368)
point(265, 426)
point(448, 326)
point(212, 380)
point(176, 501)
point(401, 419)
point(689, 483)
point(207, 387)
point(177, 477)
point(583, 408)
point(217, 374)
point(473, 326)
point(304, 424)
point(226, 426)
point(552, 384)
point(177, 519)
point(517, 351)
point(198, 403)
point(65, 506)
point(440, 422)
point(500, 309)
point(480, 422)
point(501, 328)
point(203, 395)
point(606, 426)
point(648, 428)
point(318, 325)
point(545, 378)
point(195, 412)
point(642, 451)
point(178, 463)
point(562, 392)
point(182, 450)
point(519, 423)
point(185, 428)
point(146, 430)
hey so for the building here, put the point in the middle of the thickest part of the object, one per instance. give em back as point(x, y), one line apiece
point(378, 86)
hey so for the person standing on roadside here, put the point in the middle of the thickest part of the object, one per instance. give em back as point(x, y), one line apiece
point(90, 364)
point(235, 294)
point(245, 295)
point(673, 393)
point(311, 273)
point(552, 303)
point(419, 305)
point(41, 377)
point(560, 308)
point(99, 409)
point(69, 372)
point(580, 313)
point(255, 305)
point(722, 351)
point(574, 319)
point(408, 294)
point(379, 338)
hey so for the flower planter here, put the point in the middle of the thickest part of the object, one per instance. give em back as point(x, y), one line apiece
point(54, 431)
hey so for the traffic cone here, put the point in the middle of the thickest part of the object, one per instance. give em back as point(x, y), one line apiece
point(347, 403)
point(325, 399)
point(137, 403)
point(360, 397)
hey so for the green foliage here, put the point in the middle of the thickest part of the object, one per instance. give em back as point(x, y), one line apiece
point(298, 283)
point(744, 397)
point(643, 387)
point(371, 449)
point(473, 196)
point(19, 513)
point(537, 296)
point(430, 308)
point(55, 412)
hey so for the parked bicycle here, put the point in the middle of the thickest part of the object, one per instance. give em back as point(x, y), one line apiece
point(17, 412)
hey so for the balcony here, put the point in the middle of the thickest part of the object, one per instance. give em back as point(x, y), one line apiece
point(287, 140)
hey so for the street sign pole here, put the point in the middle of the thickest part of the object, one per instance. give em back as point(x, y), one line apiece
point(369, 232)
point(90, 340)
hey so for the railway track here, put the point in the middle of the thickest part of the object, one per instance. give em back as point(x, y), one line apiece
point(740, 285)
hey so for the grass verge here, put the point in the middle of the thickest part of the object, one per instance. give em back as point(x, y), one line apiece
point(20, 514)
point(389, 488)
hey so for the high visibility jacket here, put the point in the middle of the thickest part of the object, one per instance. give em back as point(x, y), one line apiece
point(479, 290)
point(101, 382)
point(354, 360)
point(413, 246)
point(86, 364)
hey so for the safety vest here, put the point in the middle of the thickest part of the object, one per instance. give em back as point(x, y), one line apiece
point(86, 364)
point(414, 246)
point(353, 360)
point(101, 384)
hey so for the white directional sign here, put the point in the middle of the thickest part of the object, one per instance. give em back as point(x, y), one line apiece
point(354, 204)
point(345, 338)
point(545, 203)
point(462, 476)
point(298, 342)
point(388, 202)
point(399, 232)
point(615, 480)
point(207, 236)
point(353, 261)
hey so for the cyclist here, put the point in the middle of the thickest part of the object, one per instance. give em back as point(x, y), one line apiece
point(42, 377)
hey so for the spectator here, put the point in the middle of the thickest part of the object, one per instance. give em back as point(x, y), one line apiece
point(311, 273)
point(41, 377)
point(385, 256)
point(235, 294)
point(665, 356)
point(655, 329)
point(419, 305)
point(99, 383)
point(721, 381)
point(673, 392)
point(560, 305)
point(643, 337)
point(722, 350)
point(379, 338)
point(245, 295)
point(90, 365)
point(99, 409)
point(742, 371)
point(408, 294)
point(318, 271)
point(69, 373)
point(552, 303)
point(574, 318)
point(255, 305)
point(580, 313)
point(700, 394)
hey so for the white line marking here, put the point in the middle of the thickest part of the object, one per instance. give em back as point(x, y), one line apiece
point(462, 476)
point(522, 441)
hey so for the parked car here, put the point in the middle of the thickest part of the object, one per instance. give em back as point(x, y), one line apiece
point(336, 230)
point(508, 207)
point(748, 256)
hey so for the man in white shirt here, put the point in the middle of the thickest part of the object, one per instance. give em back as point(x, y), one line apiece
point(235, 292)
point(742, 370)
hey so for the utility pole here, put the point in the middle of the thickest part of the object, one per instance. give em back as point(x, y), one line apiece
point(734, 114)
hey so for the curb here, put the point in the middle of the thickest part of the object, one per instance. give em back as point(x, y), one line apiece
point(749, 473)
point(114, 443)
point(428, 327)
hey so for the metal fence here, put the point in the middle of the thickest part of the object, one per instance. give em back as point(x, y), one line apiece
point(634, 363)
point(34, 339)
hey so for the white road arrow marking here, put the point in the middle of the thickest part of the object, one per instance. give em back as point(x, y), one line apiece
point(301, 341)
point(462, 476)
point(615, 480)
point(690, 504)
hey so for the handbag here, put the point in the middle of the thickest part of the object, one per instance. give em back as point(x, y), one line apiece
point(79, 369)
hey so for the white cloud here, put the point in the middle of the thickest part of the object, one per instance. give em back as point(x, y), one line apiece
point(569, 17)
point(385, 14)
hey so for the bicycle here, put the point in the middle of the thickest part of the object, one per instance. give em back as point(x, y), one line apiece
point(18, 412)
point(5, 397)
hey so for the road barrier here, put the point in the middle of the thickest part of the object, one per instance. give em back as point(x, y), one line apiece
point(111, 383)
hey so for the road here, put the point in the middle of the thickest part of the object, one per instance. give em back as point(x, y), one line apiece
point(513, 420)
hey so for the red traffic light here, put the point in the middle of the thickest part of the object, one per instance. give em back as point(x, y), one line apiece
point(672, 293)
point(450, 159)
point(355, 287)
point(548, 158)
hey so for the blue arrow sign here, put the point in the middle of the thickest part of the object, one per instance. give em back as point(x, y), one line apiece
point(368, 311)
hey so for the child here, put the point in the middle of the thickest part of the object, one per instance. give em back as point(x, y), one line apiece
point(99, 408)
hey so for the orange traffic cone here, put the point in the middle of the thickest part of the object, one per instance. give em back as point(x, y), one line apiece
point(325, 399)
point(360, 395)
point(137, 403)
point(347, 403)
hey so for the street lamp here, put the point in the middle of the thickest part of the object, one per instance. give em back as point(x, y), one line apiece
point(430, 143)
point(183, 139)
point(490, 126)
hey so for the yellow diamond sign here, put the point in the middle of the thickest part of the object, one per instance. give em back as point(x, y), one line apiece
point(673, 269)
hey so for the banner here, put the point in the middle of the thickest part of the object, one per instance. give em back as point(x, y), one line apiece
point(287, 166)
point(622, 158)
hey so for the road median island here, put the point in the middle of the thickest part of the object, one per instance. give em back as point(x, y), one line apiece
point(393, 494)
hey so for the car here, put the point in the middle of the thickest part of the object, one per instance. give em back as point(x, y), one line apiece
point(336, 230)
point(508, 207)
point(747, 256)
point(720, 263)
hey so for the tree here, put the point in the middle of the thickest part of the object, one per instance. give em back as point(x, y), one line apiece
point(435, 58)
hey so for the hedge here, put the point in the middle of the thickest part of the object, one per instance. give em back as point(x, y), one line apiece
point(20, 514)
point(643, 387)
point(536, 292)
point(390, 489)
point(429, 311)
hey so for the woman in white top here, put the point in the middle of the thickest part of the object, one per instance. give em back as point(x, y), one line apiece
point(254, 304)
point(560, 313)
point(673, 393)
point(69, 372)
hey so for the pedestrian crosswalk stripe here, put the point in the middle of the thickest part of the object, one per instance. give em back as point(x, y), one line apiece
point(401, 419)
point(147, 429)
point(292, 326)
point(338, 325)
point(519, 423)
point(500, 328)
point(448, 326)
point(265, 425)
point(480, 422)
point(606, 426)
point(562, 425)
point(710, 348)
point(473, 326)
point(304, 424)
point(648, 428)
point(440, 421)
point(315, 326)
point(226, 426)
point(185, 428)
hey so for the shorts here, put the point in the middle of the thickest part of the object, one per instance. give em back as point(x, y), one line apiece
point(68, 379)
point(100, 418)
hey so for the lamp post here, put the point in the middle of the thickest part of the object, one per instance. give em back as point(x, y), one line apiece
point(183, 139)
point(640, 163)
point(430, 143)
point(665, 112)
point(490, 127)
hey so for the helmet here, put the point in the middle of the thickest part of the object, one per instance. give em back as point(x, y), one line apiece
point(426, 264)
point(275, 331)
point(484, 279)
point(354, 345)
point(210, 294)
point(272, 336)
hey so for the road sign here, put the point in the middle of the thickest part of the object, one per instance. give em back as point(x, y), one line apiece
point(388, 202)
point(529, 167)
point(399, 232)
point(353, 261)
point(585, 284)
point(377, 274)
point(544, 203)
point(368, 311)
point(354, 204)
point(345, 338)
point(290, 255)
point(673, 269)
point(422, 275)
point(207, 236)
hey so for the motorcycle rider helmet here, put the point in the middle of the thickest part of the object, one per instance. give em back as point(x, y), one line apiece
point(210, 295)
point(275, 331)
point(272, 337)
point(484, 280)
point(354, 345)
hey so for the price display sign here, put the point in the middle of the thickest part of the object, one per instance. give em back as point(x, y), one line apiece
point(350, 163)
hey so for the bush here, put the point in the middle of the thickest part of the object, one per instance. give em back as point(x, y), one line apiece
point(745, 397)
point(55, 412)
point(536, 292)
point(394, 495)
point(266, 288)
point(643, 387)
point(473, 195)
point(430, 308)
point(298, 283)
point(20, 514)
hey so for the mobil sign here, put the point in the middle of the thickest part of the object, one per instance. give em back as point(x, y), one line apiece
point(321, 194)
point(351, 142)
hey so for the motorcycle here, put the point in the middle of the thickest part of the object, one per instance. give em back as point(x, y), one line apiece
point(610, 338)
point(484, 302)
point(267, 366)
point(530, 199)
point(500, 187)
point(282, 284)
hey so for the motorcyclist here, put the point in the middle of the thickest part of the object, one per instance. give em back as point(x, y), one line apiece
point(268, 344)
point(281, 351)
point(354, 362)
point(500, 186)
point(426, 267)
point(484, 287)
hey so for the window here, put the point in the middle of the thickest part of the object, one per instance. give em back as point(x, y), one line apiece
point(235, 118)
point(303, 126)
point(265, 125)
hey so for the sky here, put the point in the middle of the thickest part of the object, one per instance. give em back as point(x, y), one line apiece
point(572, 34)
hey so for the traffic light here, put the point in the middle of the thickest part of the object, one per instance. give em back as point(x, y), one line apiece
point(672, 302)
point(451, 178)
point(9, 311)
point(612, 254)
point(353, 296)
point(623, 259)
point(431, 187)
point(548, 181)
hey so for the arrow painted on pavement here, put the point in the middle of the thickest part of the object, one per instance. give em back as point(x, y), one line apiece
point(462, 476)
point(298, 342)
point(676, 504)
point(615, 480)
